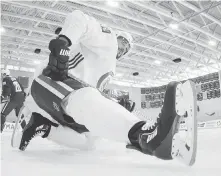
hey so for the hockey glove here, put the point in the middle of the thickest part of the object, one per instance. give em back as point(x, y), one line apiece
point(128, 104)
point(57, 68)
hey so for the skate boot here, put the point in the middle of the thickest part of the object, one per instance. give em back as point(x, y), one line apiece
point(37, 126)
point(23, 118)
point(150, 136)
point(158, 138)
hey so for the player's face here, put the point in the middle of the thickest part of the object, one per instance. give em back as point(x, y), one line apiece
point(123, 46)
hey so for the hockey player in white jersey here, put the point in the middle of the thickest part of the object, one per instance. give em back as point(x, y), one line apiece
point(71, 108)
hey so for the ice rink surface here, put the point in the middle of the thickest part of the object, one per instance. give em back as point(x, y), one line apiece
point(44, 158)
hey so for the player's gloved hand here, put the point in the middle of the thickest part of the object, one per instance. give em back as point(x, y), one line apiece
point(128, 104)
point(4, 99)
point(57, 68)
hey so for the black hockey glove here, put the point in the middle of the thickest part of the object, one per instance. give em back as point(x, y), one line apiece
point(57, 68)
point(128, 104)
point(4, 99)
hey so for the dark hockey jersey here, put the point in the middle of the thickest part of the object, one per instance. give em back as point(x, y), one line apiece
point(10, 86)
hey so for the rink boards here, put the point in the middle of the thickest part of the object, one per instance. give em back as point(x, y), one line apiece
point(9, 127)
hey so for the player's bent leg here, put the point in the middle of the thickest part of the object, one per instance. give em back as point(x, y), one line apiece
point(48, 95)
point(102, 117)
point(8, 107)
point(37, 125)
point(24, 117)
point(46, 104)
point(70, 138)
point(20, 102)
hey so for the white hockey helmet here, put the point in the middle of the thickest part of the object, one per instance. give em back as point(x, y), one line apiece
point(125, 43)
point(126, 35)
point(5, 72)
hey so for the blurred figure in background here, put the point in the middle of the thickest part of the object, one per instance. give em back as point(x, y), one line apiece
point(13, 96)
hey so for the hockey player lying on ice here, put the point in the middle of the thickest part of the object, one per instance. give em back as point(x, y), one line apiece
point(71, 111)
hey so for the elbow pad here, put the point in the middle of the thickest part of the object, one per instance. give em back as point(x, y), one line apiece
point(57, 68)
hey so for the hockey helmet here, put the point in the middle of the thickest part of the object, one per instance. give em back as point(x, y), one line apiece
point(5, 72)
point(124, 43)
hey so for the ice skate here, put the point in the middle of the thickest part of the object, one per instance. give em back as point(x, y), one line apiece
point(184, 147)
point(24, 132)
point(22, 120)
point(159, 138)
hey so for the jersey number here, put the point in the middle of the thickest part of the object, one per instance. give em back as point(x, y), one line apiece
point(17, 87)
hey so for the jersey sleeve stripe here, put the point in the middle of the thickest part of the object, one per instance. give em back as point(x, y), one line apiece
point(76, 60)
point(74, 57)
point(79, 61)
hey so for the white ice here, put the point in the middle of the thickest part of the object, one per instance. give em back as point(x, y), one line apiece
point(44, 158)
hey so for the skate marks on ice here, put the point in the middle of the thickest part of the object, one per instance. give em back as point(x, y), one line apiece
point(46, 158)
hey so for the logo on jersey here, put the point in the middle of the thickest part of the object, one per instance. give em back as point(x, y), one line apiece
point(64, 52)
point(75, 61)
point(39, 128)
point(56, 107)
point(150, 136)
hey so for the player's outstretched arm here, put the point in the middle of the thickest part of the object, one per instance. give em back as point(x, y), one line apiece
point(74, 27)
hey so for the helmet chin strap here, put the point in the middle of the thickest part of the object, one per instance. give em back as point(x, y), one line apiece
point(118, 57)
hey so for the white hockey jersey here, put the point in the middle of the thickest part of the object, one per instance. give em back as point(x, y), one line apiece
point(93, 50)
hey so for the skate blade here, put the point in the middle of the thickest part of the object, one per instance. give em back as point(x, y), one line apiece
point(188, 150)
point(19, 126)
